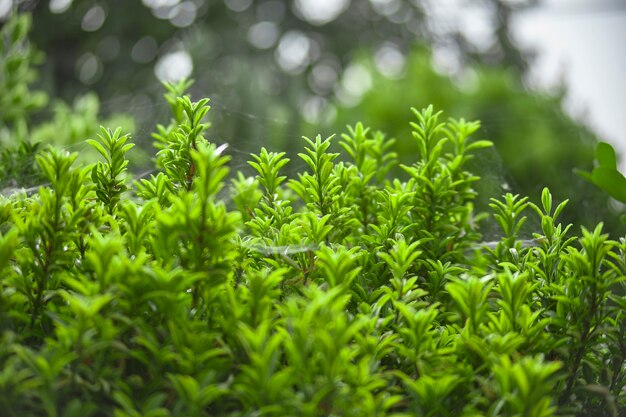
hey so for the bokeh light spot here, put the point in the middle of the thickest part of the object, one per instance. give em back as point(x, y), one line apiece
point(389, 60)
point(155, 4)
point(88, 68)
point(5, 8)
point(323, 77)
point(144, 50)
point(386, 7)
point(320, 12)
point(263, 35)
point(238, 5)
point(446, 60)
point(59, 6)
point(174, 66)
point(183, 14)
point(312, 109)
point(355, 81)
point(292, 53)
point(93, 19)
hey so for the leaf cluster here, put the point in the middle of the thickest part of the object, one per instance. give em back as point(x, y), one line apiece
point(335, 292)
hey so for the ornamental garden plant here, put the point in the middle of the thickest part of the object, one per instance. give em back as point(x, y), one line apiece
point(200, 290)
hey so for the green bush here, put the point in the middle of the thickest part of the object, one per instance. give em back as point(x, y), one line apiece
point(60, 124)
point(337, 292)
point(536, 143)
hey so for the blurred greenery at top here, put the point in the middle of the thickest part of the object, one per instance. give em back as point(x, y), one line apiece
point(276, 70)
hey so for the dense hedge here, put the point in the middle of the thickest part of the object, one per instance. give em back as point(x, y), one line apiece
point(338, 292)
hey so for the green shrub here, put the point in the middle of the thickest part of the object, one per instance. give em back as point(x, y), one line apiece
point(20, 139)
point(338, 292)
point(536, 143)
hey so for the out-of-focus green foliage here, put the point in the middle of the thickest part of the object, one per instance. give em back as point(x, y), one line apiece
point(17, 57)
point(22, 127)
point(71, 124)
point(17, 100)
point(605, 174)
point(126, 42)
point(536, 142)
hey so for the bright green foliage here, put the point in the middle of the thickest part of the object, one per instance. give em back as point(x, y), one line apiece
point(181, 138)
point(340, 292)
point(108, 176)
point(441, 206)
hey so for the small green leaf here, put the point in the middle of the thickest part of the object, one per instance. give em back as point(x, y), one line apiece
point(480, 144)
point(611, 181)
point(605, 154)
point(546, 200)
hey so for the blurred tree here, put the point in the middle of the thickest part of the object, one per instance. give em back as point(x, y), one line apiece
point(120, 47)
point(276, 69)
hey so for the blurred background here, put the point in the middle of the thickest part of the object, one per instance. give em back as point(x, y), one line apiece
point(545, 78)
